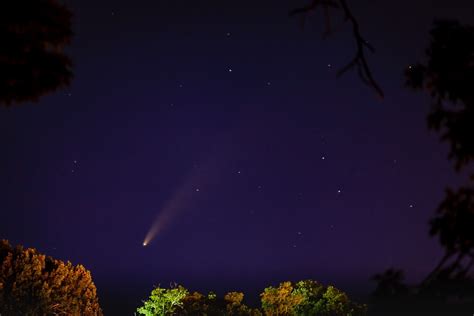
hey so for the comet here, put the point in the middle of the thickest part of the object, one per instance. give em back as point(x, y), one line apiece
point(182, 199)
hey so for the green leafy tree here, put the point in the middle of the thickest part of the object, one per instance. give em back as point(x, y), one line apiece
point(163, 301)
point(34, 284)
point(179, 301)
point(312, 292)
point(336, 303)
point(303, 298)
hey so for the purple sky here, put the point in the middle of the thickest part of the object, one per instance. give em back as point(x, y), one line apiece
point(300, 175)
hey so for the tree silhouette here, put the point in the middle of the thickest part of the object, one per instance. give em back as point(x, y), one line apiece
point(390, 284)
point(32, 58)
point(447, 76)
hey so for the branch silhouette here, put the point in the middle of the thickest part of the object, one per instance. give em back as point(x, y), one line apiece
point(359, 61)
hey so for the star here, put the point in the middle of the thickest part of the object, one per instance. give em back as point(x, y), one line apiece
point(269, 83)
point(228, 34)
point(411, 206)
point(230, 69)
point(197, 189)
point(323, 158)
point(339, 191)
point(239, 172)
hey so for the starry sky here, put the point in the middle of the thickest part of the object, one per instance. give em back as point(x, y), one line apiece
point(231, 113)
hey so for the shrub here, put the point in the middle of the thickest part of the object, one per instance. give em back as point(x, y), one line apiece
point(179, 301)
point(163, 301)
point(308, 297)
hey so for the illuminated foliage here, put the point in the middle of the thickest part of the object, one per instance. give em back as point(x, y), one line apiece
point(308, 298)
point(163, 301)
point(197, 304)
point(303, 298)
point(34, 284)
point(282, 300)
point(178, 301)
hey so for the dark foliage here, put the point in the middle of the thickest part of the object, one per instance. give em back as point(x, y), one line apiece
point(455, 222)
point(448, 77)
point(390, 284)
point(33, 63)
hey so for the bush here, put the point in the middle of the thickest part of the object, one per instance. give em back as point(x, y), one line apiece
point(163, 301)
point(34, 284)
point(302, 298)
point(179, 301)
point(308, 297)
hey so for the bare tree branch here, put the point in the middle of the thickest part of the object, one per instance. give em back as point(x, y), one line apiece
point(359, 62)
point(312, 6)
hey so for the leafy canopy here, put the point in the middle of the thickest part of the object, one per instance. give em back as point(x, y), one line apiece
point(303, 298)
point(34, 284)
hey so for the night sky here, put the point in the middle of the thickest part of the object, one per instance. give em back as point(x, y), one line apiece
point(228, 117)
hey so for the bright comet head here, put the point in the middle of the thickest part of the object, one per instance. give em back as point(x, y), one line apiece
point(145, 243)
